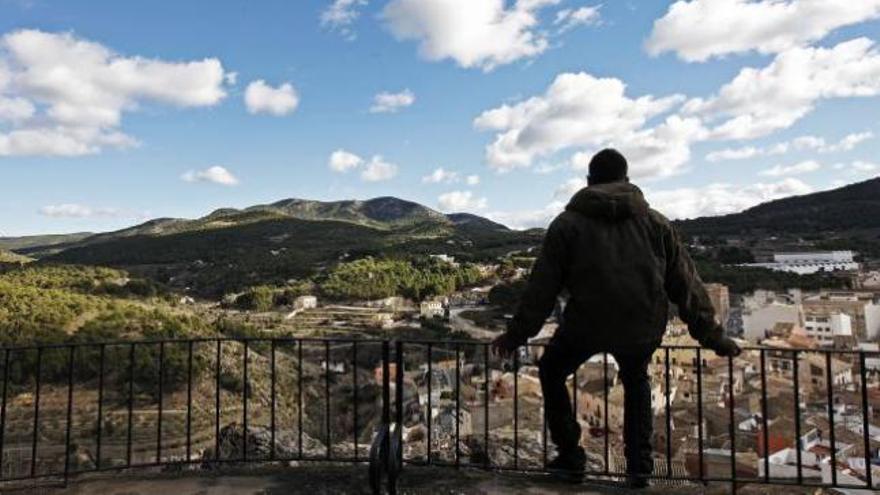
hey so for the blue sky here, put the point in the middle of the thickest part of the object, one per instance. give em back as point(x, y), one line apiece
point(114, 112)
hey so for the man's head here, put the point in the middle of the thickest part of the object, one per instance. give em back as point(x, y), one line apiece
point(606, 166)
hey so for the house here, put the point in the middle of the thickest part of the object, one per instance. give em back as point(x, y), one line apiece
point(305, 302)
point(431, 309)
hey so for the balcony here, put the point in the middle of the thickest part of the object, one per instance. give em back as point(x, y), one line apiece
point(790, 418)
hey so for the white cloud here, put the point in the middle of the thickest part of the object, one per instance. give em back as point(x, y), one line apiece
point(259, 97)
point(720, 198)
point(378, 170)
point(456, 201)
point(525, 219)
point(215, 174)
point(472, 180)
point(385, 102)
point(802, 143)
point(340, 15)
point(759, 101)
point(697, 30)
point(567, 19)
point(579, 110)
point(343, 161)
point(475, 33)
point(865, 167)
point(569, 187)
point(796, 169)
point(66, 96)
point(441, 175)
point(74, 210)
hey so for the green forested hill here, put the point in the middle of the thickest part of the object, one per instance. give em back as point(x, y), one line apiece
point(855, 207)
point(231, 249)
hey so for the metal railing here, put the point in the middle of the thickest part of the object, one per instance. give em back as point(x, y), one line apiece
point(69, 409)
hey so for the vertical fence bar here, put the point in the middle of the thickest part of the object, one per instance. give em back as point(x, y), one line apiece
point(668, 415)
point(299, 396)
point(99, 427)
point(486, 409)
point(272, 400)
point(732, 426)
point(244, 400)
point(764, 425)
point(869, 478)
point(329, 453)
point(189, 381)
point(700, 415)
point(830, 391)
point(398, 390)
point(217, 402)
point(457, 403)
point(516, 409)
point(797, 416)
point(130, 431)
point(161, 402)
point(574, 398)
point(386, 393)
point(607, 449)
point(35, 438)
point(429, 418)
point(354, 391)
point(70, 362)
point(3, 407)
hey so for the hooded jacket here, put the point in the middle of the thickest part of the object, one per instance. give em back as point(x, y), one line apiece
point(621, 263)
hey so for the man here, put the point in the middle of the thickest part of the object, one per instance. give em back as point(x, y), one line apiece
point(622, 263)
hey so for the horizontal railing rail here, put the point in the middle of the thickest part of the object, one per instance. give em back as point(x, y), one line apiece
point(73, 408)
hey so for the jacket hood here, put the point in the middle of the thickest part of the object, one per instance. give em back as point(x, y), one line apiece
point(615, 201)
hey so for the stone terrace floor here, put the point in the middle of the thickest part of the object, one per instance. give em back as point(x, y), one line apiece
point(320, 480)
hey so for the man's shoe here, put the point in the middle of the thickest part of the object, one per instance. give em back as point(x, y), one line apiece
point(636, 482)
point(569, 465)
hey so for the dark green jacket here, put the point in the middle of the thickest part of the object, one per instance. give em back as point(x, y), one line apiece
point(621, 263)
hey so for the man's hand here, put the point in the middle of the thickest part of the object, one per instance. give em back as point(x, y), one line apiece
point(725, 347)
point(504, 345)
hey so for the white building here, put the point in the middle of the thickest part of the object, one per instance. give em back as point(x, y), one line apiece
point(825, 326)
point(305, 302)
point(430, 309)
point(811, 262)
point(760, 319)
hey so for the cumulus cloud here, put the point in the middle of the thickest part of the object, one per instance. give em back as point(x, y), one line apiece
point(259, 97)
point(721, 198)
point(579, 110)
point(215, 174)
point(526, 219)
point(340, 15)
point(454, 201)
point(472, 180)
point(343, 161)
point(858, 167)
point(64, 96)
point(759, 101)
point(441, 175)
point(796, 169)
point(385, 102)
point(697, 30)
point(567, 19)
point(569, 187)
point(75, 210)
point(377, 169)
point(802, 143)
point(474, 33)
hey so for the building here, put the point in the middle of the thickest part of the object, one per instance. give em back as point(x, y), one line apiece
point(762, 312)
point(305, 302)
point(720, 297)
point(431, 309)
point(811, 262)
point(827, 326)
point(859, 306)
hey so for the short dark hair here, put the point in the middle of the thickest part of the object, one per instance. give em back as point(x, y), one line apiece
point(608, 165)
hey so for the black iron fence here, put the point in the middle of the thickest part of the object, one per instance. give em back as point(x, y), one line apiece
point(774, 416)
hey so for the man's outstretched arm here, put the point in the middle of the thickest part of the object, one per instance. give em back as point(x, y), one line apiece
point(686, 290)
point(539, 298)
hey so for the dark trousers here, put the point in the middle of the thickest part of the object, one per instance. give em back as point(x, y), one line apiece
point(561, 360)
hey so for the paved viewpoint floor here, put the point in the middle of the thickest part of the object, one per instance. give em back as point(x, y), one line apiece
point(315, 480)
